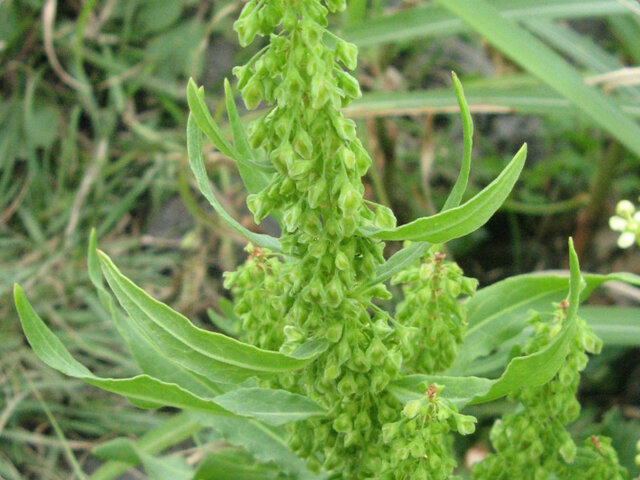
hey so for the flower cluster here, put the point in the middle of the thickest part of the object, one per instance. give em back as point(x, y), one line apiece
point(533, 443)
point(432, 312)
point(258, 279)
point(418, 443)
point(323, 288)
point(627, 221)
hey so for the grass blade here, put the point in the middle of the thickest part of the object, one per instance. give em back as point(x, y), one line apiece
point(535, 57)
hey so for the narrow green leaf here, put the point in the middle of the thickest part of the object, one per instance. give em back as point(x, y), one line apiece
point(152, 360)
point(173, 431)
point(455, 197)
point(213, 355)
point(194, 148)
point(399, 261)
point(253, 173)
point(535, 57)
point(226, 325)
point(143, 391)
point(264, 443)
point(513, 93)
point(275, 407)
point(432, 20)
point(462, 220)
point(205, 121)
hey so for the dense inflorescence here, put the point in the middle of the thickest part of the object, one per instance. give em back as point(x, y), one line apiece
point(432, 312)
point(533, 443)
point(327, 276)
point(259, 278)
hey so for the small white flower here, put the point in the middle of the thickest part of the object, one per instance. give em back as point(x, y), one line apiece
point(636, 216)
point(618, 224)
point(625, 208)
point(626, 239)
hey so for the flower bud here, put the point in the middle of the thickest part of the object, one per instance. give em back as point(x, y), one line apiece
point(348, 54)
point(625, 208)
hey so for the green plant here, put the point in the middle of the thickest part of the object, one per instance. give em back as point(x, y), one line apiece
point(363, 392)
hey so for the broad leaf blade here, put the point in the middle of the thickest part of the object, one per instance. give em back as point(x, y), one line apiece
point(152, 360)
point(143, 391)
point(616, 326)
point(264, 443)
point(462, 220)
point(194, 148)
point(216, 356)
point(499, 312)
point(275, 407)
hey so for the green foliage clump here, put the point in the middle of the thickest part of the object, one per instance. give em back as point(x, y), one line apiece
point(432, 311)
point(533, 443)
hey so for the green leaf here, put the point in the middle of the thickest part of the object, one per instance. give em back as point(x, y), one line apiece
point(535, 57)
point(205, 121)
point(152, 360)
point(275, 407)
point(530, 370)
point(173, 431)
point(455, 197)
point(194, 148)
point(254, 174)
point(143, 391)
point(619, 326)
point(157, 468)
point(500, 311)
point(234, 465)
point(213, 355)
point(399, 261)
point(520, 93)
point(433, 20)
point(226, 325)
point(462, 220)
point(264, 443)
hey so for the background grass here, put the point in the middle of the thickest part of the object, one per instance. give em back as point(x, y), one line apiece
point(92, 118)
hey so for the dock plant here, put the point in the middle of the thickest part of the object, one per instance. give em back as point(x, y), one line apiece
point(319, 371)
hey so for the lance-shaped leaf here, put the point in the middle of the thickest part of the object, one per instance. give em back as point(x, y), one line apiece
point(265, 443)
point(530, 370)
point(399, 261)
point(275, 407)
point(455, 197)
point(255, 175)
point(499, 312)
point(205, 121)
point(158, 468)
point(151, 359)
point(143, 391)
point(194, 149)
point(462, 220)
point(213, 355)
